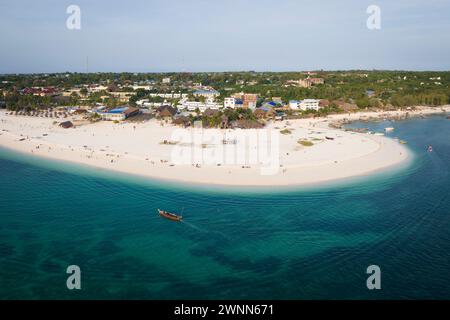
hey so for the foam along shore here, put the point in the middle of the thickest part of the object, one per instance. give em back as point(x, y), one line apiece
point(139, 148)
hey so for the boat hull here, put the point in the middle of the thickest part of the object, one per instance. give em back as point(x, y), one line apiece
point(169, 216)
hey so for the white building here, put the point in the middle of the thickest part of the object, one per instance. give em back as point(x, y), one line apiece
point(97, 88)
point(112, 116)
point(307, 104)
point(145, 103)
point(229, 103)
point(118, 114)
point(194, 105)
point(166, 80)
point(142, 103)
point(144, 87)
point(294, 104)
point(169, 95)
point(210, 94)
point(310, 104)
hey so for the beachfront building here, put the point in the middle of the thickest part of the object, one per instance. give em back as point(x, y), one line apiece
point(123, 97)
point(202, 106)
point(166, 112)
point(118, 114)
point(310, 104)
point(250, 100)
point(264, 112)
point(229, 103)
point(306, 104)
point(294, 104)
point(182, 119)
point(145, 103)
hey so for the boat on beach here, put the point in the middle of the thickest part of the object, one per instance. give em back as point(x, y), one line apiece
point(170, 216)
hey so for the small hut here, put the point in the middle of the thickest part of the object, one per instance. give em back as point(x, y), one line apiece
point(182, 120)
point(166, 111)
point(224, 122)
point(66, 124)
point(80, 111)
point(246, 124)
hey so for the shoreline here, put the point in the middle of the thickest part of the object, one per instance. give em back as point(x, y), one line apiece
point(107, 172)
point(349, 155)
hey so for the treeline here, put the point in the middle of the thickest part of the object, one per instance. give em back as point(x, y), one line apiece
point(27, 102)
point(215, 120)
point(389, 88)
point(408, 100)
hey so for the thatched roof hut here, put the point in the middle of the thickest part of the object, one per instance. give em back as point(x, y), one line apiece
point(262, 113)
point(246, 124)
point(66, 124)
point(182, 120)
point(166, 111)
point(131, 111)
point(80, 111)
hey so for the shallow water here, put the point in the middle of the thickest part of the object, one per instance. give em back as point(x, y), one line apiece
point(234, 243)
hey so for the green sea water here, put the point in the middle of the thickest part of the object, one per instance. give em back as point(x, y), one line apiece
point(269, 243)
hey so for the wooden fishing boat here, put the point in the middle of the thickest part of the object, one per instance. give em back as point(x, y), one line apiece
point(329, 138)
point(170, 216)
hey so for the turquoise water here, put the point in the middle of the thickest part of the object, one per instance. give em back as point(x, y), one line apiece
point(235, 243)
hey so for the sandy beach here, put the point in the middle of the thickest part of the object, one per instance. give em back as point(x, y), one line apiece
point(139, 148)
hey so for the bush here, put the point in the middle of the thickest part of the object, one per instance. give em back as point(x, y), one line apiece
point(305, 143)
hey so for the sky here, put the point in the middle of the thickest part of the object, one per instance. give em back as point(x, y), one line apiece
point(223, 35)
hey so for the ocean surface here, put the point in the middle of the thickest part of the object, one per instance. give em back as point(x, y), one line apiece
point(275, 243)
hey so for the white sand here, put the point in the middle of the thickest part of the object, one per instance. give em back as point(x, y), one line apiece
point(136, 148)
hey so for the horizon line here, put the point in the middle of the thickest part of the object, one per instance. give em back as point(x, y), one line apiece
point(212, 71)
